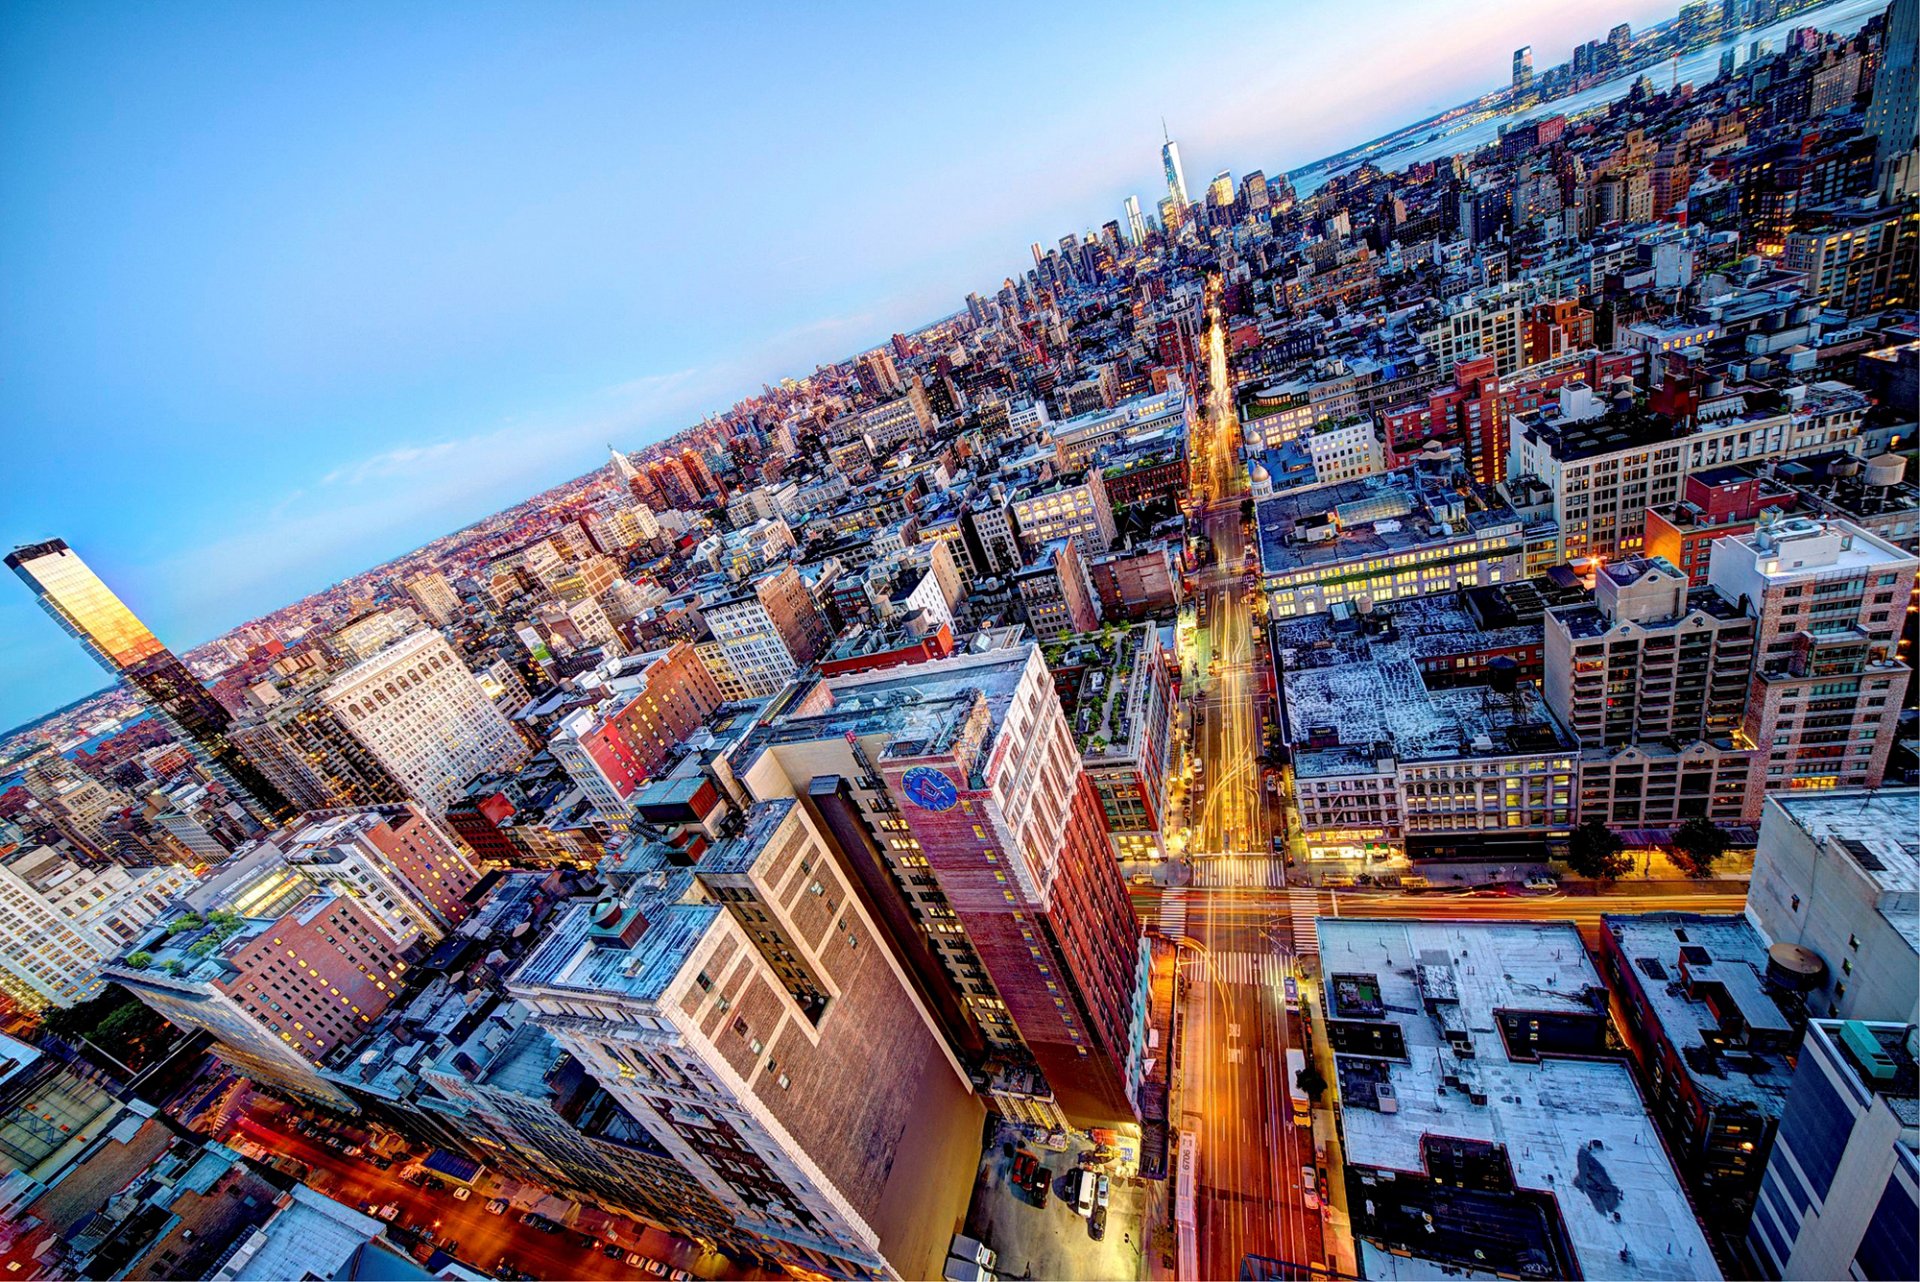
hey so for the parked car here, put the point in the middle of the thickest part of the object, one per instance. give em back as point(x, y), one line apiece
point(1100, 1193)
point(1097, 1223)
point(1042, 1185)
point(1310, 1187)
point(634, 1258)
point(1542, 883)
point(1084, 1202)
point(462, 1193)
point(497, 1207)
point(1023, 1167)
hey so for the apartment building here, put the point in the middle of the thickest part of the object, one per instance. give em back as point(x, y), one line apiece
point(1828, 682)
point(61, 921)
point(1651, 679)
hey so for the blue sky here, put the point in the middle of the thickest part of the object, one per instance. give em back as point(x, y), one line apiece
point(292, 289)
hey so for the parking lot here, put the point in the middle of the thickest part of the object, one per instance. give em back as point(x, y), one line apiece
point(1053, 1241)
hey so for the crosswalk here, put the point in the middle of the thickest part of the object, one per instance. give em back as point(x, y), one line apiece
point(1252, 872)
point(1303, 906)
point(1172, 921)
point(1252, 970)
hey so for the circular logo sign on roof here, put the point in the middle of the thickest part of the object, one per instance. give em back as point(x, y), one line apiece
point(929, 789)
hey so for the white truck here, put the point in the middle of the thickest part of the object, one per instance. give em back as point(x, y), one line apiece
point(972, 1248)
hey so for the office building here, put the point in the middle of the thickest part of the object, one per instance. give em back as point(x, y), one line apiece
point(1828, 682)
point(1842, 1191)
point(1056, 592)
point(1176, 177)
point(1136, 225)
point(83, 605)
point(1891, 116)
point(1834, 878)
point(422, 715)
point(304, 747)
point(433, 596)
point(1479, 1083)
point(402, 866)
point(1523, 68)
point(1003, 902)
point(1714, 1038)
point(1605, 463)
point(61, 920)
point(281, 976)
point(746, 1012)
point(1390, 752)
point(1418, 531)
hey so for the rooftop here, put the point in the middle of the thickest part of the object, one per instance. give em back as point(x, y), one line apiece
point(1385, 514)
point(1875, 831)
point(1702, 976)
point(1574, 1131)
point(1881, 1056)
point(1365, 686)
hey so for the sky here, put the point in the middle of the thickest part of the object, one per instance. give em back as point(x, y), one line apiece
point(292, 289)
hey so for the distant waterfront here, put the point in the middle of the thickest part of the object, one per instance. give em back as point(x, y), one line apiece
point(1698, 67)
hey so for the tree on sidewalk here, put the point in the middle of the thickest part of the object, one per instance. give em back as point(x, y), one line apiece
point(1594, 850)
point(1698, 845)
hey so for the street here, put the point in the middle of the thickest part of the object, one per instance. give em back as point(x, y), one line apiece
point(465, 1227)
point(1235, 1089)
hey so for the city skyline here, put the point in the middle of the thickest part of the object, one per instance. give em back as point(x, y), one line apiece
point(1352, 719)
point(251, 520)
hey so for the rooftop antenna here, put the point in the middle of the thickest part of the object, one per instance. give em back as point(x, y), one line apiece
point(1163, 130)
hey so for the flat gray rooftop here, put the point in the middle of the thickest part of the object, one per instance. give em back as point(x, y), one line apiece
point(1573, 1129)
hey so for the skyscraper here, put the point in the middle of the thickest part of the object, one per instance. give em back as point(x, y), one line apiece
point(1891, 117)
point(1136, 225)
point(87, 608)
point(1522, 67)
point(1176, 177)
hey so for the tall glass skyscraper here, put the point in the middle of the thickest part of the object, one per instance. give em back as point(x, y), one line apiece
point(1176, 177)
point(87, 608)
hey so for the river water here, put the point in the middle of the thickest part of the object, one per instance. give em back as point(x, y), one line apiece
point(1697, 68)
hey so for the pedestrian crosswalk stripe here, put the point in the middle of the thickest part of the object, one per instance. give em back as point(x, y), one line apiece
point(1173, 913)
point(1304, 906)
point(1250, 970)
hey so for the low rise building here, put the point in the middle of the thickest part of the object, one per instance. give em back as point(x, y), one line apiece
point(1383, 759)
point(1714, 1038)
point(1417, 531)
point(1479, 1083)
